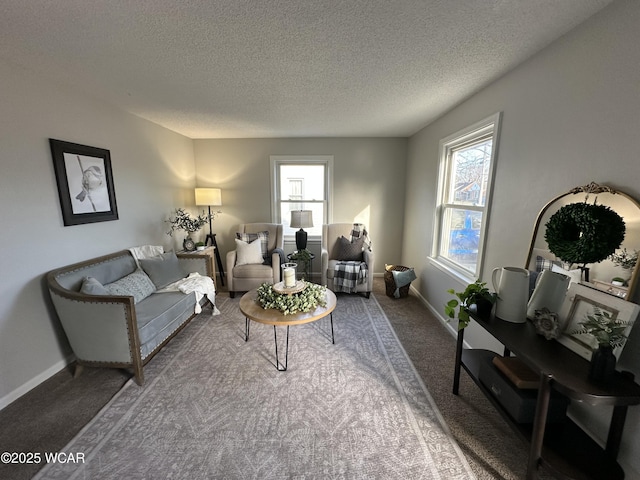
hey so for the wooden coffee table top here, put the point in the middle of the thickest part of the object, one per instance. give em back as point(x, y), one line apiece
point(251, 309)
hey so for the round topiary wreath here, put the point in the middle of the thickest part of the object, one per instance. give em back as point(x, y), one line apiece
point(583, 233)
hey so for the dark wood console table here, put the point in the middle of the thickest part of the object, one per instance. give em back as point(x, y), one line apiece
point(564, 449)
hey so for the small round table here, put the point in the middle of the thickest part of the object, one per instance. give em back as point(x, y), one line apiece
point(252, 310)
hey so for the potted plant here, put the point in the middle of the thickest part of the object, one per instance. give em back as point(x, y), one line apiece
point(618, 281)
point(302, 257)
point(475, 297)
point(625, 260)
point(609, 334)
point(181, 220)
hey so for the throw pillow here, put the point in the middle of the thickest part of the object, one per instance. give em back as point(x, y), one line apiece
point(136, 284)
point(264, 242)
point(350, 251)
point(248, 253)
point(162, 269)
point(545, 264)
point(92, 286)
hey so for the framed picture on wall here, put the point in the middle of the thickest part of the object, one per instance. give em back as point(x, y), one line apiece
point(85, 183)
point(581, 301)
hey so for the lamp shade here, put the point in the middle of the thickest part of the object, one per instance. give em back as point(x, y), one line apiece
point(301, 218)
point(208, 196)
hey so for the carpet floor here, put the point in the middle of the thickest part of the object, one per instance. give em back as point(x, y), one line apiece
point(47, 418)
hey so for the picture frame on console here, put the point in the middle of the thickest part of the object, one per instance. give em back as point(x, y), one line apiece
point(85, 183)
point(582, 300)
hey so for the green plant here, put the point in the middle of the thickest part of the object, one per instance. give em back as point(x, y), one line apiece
point(199, 244)
point(574, 233)
point(302, 255)
point(183, 221)
point(625, 259)
point(303, 259)
point(305, 301)
point(474, 293)
point(606, 330)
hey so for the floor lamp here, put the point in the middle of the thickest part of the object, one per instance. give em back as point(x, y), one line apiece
point(211, 197)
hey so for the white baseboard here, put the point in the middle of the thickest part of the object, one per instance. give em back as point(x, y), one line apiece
point(448, 325)
point(34, 382)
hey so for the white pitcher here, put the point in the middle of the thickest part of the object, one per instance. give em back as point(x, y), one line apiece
point(551, 288)
point(512, 286)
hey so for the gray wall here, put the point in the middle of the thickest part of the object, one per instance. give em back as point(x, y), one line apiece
point(153, 173)
point(368, 184)
point(571, 116)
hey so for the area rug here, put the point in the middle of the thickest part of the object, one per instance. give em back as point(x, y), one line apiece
point(214, 406)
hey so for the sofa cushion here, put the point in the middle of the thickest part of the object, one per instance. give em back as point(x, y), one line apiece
point(350, 251)
point(160, 315)
point(248, 253)
point(254, 270)
point(264, 242)
point(163, 269)
point(136, 284)
point(92, 286)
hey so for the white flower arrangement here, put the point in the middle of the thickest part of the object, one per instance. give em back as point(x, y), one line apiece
point(305, 301)
point(183, 221)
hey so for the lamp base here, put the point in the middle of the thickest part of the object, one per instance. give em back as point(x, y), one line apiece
point(301, 240)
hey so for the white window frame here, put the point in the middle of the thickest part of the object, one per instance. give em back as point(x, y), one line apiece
point(327, 161)
point(490, 126)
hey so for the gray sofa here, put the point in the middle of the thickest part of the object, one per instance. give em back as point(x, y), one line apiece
point(112, 315)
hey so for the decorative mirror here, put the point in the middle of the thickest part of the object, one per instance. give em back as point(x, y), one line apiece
point(616, 273)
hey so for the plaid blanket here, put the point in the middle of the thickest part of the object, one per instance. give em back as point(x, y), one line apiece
point(359, 230)
point(347, 275)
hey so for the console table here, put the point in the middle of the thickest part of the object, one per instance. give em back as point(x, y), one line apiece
point(564, 449)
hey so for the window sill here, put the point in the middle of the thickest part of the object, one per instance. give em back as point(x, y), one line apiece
point(454, 273)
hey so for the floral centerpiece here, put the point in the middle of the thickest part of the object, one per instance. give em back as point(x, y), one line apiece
point(312, 297)
point(183, 221)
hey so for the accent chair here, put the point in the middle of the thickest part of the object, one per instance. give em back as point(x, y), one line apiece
point(249, 266)
point(333, 251)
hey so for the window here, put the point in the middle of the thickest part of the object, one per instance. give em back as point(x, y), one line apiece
point(467, 162)
point(301, 183)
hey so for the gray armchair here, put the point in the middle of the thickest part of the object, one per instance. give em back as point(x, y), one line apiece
point(331, 254)
point(242, 278)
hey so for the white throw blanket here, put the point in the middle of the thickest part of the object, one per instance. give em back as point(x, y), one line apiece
point(195, 283)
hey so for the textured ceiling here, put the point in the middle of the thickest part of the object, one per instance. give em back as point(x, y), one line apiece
point(270, 68)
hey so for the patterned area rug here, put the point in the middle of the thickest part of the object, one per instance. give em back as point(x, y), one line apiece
point(214, 406)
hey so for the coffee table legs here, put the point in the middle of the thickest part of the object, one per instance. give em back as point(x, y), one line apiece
point(286, 352)
point(279, 366)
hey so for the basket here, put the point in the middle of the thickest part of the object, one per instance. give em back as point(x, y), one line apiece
point(390, 283)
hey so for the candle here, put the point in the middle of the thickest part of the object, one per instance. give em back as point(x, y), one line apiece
point(289, 277)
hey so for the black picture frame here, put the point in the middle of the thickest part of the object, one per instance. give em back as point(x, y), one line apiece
point(85, 183)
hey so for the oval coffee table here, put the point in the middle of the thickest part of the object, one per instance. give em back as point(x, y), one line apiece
point(252, 310)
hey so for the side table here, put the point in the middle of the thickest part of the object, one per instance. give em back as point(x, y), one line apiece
point(209, 253)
